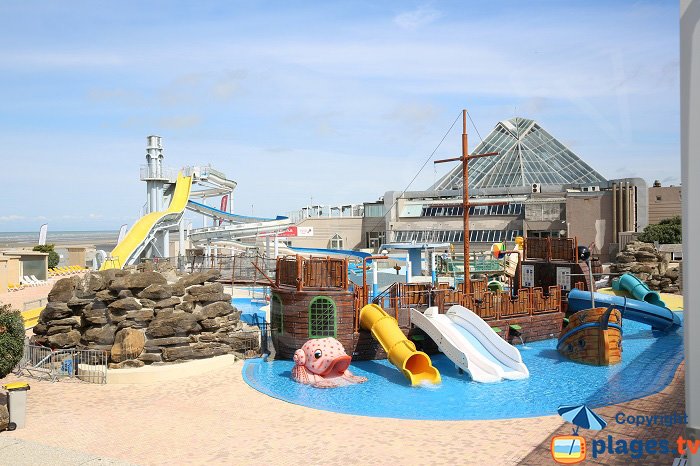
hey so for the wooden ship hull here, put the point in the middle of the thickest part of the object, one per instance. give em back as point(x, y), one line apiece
point(593, 336)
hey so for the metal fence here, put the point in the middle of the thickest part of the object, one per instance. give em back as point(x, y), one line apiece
point(244, 267)
point(34, 304)
point(44, 363)
point(255, 341)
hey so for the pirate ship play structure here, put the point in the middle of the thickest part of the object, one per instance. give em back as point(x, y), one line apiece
point(313, 297)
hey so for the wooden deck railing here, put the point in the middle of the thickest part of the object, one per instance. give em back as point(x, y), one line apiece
point(312, 273)
point(549, 249)
point(486, 304)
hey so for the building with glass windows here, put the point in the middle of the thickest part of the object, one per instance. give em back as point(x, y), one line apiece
point(535, 187)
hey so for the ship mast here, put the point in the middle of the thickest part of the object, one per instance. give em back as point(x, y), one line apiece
point(465, 158)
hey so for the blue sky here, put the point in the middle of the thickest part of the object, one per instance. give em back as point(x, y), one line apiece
point(330, 101)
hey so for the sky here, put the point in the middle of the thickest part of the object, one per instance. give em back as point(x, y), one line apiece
point(309, 101)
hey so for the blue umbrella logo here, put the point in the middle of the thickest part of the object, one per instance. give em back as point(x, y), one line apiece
point(582, 416)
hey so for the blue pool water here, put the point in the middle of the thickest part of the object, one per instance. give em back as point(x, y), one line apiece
point(648, 365)
point(247, 305)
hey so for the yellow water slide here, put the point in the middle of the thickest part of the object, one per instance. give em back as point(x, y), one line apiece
point(141, 229)
point(415, 365)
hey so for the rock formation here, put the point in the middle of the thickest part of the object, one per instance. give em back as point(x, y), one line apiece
point(144, 317)
point(644, 261)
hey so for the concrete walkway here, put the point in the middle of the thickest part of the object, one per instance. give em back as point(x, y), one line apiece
point(27, 453)
point(218, 419)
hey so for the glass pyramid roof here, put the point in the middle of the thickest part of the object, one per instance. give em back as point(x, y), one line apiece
point(527, 154)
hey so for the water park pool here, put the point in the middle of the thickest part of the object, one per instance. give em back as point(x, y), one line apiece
point(648, 365)
point(247, 305)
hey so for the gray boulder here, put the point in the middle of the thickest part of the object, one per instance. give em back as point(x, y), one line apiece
point(167, 324)
point(645, 256)
point(101, 335)
point(69, 339)
point(156, 292)
point(54, 329)
point(89, 285)
point(126, 304)
point(75, 302)
point(107, 296)
point(169, 341)
point(72, 321)
point(137, 281)
point(63, 290)
point(208, 297)
point(141, 315)
point(198, 278)
point(205, 289)
point(169, 302)
point(129, 363)
point(55, 310)
point(624, 258)
point(150, 357)
point(196, 351)
point(218, 309)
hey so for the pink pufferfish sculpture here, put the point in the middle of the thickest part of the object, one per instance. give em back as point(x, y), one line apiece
point(323, 363)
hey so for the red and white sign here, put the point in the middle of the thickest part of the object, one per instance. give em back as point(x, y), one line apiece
point(289, 232)
point(295, 231)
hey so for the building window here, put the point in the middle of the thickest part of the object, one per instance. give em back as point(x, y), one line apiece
point(276, 316)
point(658, 198)
point(336, 242)
point(374, 239)
point(513, 209)
point(374, 210)
point(322, 317)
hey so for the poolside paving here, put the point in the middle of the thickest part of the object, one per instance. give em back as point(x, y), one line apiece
point(668, 401)
point(219, 419)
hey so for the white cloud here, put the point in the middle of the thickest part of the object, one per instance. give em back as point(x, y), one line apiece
point(11, 218)
point(414, 19)
point(60, 59)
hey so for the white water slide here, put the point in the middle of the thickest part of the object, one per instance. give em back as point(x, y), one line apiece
point(471, 344)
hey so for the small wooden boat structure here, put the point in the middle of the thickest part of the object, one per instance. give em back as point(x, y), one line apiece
point(593, 336)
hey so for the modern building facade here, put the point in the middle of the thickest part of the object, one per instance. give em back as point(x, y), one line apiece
point(664, 202)
point(535, 187)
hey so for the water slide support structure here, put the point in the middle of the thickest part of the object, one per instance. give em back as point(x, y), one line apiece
point(163, 213)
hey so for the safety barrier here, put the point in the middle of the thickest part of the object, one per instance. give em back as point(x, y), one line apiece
point(44, 363)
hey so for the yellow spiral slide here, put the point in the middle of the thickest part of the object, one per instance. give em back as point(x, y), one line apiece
point(141, 229)
point(416, 366)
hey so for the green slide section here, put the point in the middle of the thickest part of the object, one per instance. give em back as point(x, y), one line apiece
point(638, 289)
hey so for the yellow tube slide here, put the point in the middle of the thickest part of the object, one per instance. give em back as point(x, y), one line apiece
point(139, 232)
point(415, 365)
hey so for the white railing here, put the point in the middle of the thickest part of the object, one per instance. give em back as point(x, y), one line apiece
point(167, 174)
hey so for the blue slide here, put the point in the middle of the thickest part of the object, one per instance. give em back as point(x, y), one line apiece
point(659, 318)
point(637, 288)
point(236, 218)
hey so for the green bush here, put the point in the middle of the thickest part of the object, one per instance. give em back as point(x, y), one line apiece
point(667, 231)
point(11, 339)
point(54, 258)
